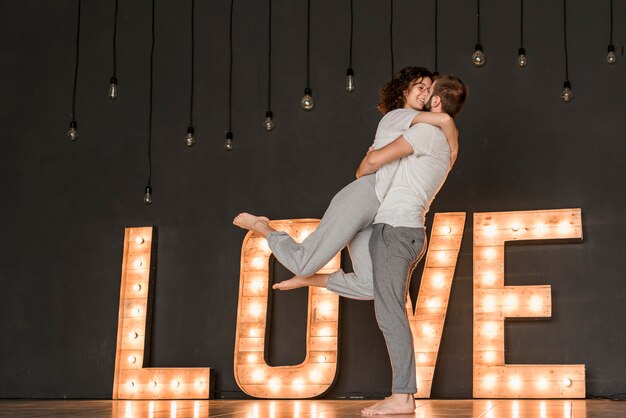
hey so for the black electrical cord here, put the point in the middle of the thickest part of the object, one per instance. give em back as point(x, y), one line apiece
point(436, 37)
point(565, 39)
point(269, 58)
point(391, 35)
point(308, 40)
point(192, 64)
point(115, 41)
point(76, 63)
point(150, 105)
point(351, 33)
point(521, 24)
point(611, 25)
point(478, 22)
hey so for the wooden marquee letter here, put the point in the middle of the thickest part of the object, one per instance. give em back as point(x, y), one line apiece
point(317, 372)
point(133, 379)
point(494, 302)
point(432, 300)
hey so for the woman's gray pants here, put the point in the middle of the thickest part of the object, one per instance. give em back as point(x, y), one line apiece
point(347, 221)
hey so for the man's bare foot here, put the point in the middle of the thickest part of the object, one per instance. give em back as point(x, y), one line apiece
point(295, 282)
point(397, 403)
point(250, 222)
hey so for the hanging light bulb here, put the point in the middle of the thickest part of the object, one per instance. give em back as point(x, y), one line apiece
point(147, 198)
point(610, 56)
point(113, 89)
point(72, 134)
point(479, 57)
point(350, 86)
point(307, 100)
point(228, 145)
point(521, 58)
point(190, 140)
point(269, 124)
point(566, 94)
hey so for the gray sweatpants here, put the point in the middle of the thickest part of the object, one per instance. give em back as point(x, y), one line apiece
point(395, 253)
point(347, 221)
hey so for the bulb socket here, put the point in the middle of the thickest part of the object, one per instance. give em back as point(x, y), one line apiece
point(190, 130)
point(148, 190)
point(567, 84)
point(521, 51)
point(350, 72)
point(611, 48)
point(73, 124)
point(229, 135)
point(479, 47)
point(307, 91)
point(113, 80)
point(269, 114)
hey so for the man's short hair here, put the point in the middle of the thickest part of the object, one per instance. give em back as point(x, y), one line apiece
point(452, 92)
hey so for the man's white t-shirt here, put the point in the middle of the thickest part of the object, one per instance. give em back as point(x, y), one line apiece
point(417, 178)
point(390, 127)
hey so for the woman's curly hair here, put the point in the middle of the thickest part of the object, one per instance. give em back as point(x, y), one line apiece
point(392, 93)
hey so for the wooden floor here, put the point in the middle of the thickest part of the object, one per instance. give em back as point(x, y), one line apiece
point(309, 408)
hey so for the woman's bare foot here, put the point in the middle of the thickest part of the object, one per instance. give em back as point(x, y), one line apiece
point(397, 403)
point(251, 222)
point(295, 282)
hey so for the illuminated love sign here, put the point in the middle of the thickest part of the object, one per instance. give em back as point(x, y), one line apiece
point(493, 303)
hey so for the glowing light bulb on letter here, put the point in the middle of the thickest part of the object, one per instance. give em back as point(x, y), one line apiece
point(274, 384)
point(490, 329)
point(515, 382)
point(490, 278)
point(257, 262)
point(438, 280)
point(490, 381)
point(490, 253)
point(255, 310)
point(257, 375)
point(298, 384)
point(564, 227)
point(428, 330)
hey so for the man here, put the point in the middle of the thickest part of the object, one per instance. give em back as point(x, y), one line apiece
point(398, 239)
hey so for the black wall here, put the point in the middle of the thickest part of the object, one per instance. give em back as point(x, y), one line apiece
point(65, 205)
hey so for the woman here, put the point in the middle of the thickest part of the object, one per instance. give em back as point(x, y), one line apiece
point(348, 219)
